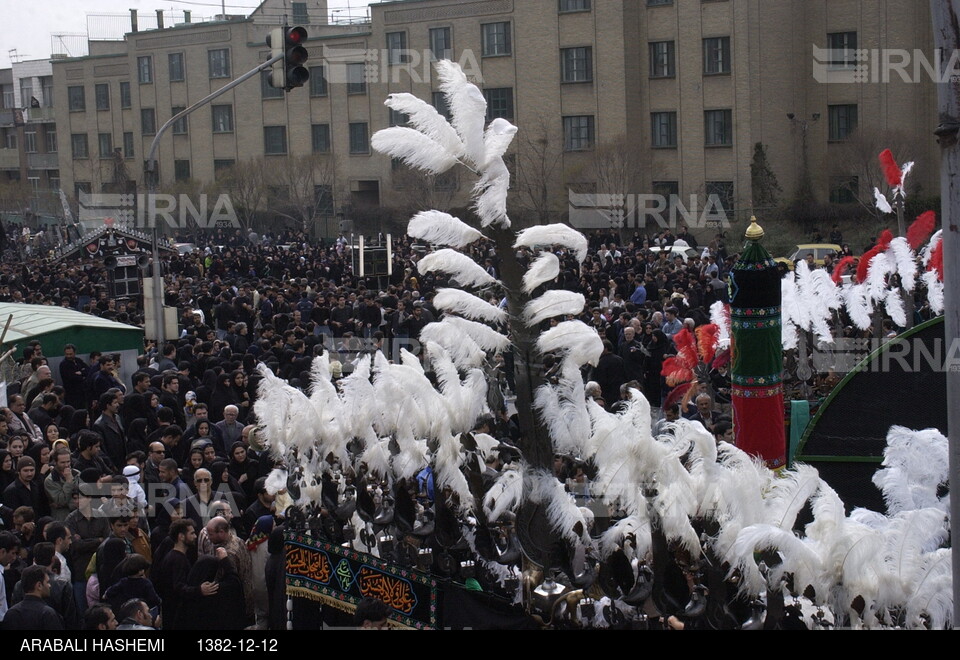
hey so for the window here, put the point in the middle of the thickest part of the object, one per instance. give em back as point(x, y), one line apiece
point(30, 141)
point(78, 145)
point(574, 5)
point(662, 59)
point(657, 3)
point(128, 145)
point(496, 39)
point(222, 118)
point(320, 134)
point(50, 138)
point(396, 47)
point(274, 140)
point(398, 118)
point(8, 96)
point(718, 128)
point(664, 130)
point(578, 133)
point(102, 93)
point(666, 189)
point(82, 187)
point(46, 84)
point(105, 142)
point(576, 64)
point(723, 190)
point(844, 189)
point(219, 61)
point(359, 142)
point(75, 99)
point(318, 81)
point(145, 70)
point(300, 14)
point(843, 120)
point(125, 95)
point(843, 50)
point(356, 78)
point(180, 126)
point(148, 121)
point(716, 56)
point(440, 103)
point(181, 170)
point(221, 167)
point(441, 44)
point(268, 91)
point(175, 63)
point(26, 92)
point(499, 103)
point(9, 138)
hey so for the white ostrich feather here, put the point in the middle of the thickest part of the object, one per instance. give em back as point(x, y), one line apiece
point(499, 572)
point(485, 337)
point(931, 245)
point(497, 139)
point(358, 398)
point(881, 202)
point(562, 512)
point(576, 339)
point(896, 307)
point(790, 493)
point(556, 234)
point(553, 303)
point(544, 268)
point(408, 359)
point(934, 291)
point(789, 312)
point(463, 350)
point(858, 305)
point(465, 401)
point(637, 525)
point(881, 266)
point(490, 194)
point(446, 467)
point(377, 458)
point(932, 594)
point(276, 481)
point(906, 262)
point(915, 463)
point(486, 444)
point(468, 109)
point(828, 514)
point(798, 558)
point(442, 228)
point(908, 537)
point(904, 173)
point(457, 265)
point(413, 148)
point(468, 305)
point(815, 299)
point(505, 494)
point(412, 456)
point(563, 409)
point(424, 117)
point(720, 319)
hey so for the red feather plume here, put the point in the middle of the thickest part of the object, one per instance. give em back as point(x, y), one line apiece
point(921, 229)
point(841, 268)
point(936, 260)
point(676, 395)
point(707, 338)
point(885, 238)
point(679, 369)
point(722, 359)
point(891, 171)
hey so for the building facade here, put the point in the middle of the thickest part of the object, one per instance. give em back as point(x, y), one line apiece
point(680, 91)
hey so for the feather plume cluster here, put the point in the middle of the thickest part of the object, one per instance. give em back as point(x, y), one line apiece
point(457, 265)
point(554, 235)
point(575, 339)
point(469, 306)
point(544, 268)
point(720, 317)
point(552, 304)
point(442, 228)
point(424, 117)
point(413, 148)
point(679, 369)
point(921, 229)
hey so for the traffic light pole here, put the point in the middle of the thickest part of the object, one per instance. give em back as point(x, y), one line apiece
point(151, 169)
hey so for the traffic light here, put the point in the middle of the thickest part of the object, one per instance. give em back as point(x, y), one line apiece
point(289, 71)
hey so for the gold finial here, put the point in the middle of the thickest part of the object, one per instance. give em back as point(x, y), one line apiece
point(754, 231)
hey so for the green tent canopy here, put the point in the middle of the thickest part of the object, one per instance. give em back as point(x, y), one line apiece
point(54, 327)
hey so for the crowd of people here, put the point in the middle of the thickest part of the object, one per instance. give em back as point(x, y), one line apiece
point(144, 504)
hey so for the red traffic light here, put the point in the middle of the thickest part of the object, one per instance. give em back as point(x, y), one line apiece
point(296, 35)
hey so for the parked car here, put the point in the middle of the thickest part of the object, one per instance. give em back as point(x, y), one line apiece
point(818, 250)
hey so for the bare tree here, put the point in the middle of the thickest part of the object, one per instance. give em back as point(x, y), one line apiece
point(420, 191)
point(247, 183)
point(297, 179)
point(537, 159)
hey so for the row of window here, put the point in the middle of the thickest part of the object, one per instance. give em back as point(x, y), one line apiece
point(30, 142)
point(218, 66)
point(716, 57)
point(77, 99)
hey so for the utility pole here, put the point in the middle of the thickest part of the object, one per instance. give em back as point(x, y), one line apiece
point(946, 35)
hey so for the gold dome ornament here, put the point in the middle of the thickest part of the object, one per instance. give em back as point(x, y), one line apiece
point(754, 231)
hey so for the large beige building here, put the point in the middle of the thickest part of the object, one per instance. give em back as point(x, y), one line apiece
point(678, 91)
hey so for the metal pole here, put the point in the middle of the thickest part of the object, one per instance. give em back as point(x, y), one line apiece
point(151, 169)
point(946, 17)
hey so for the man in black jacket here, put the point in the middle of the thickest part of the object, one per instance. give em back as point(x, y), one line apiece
point(32, 613)
point(170, 577)
point(73, 373)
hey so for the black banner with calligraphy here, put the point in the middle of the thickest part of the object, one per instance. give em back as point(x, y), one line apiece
point(340, 577)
